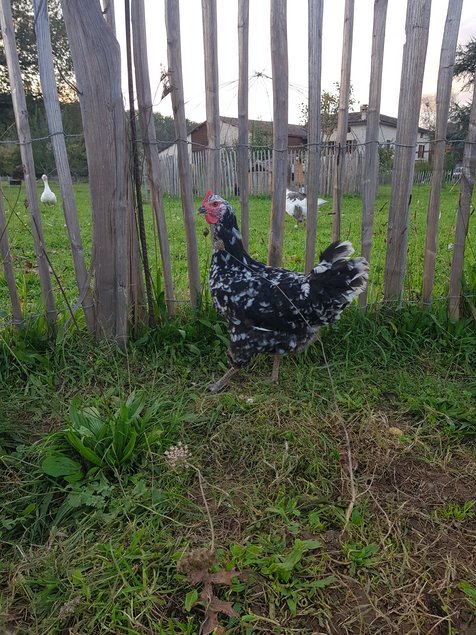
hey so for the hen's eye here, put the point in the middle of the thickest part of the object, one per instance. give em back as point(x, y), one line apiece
point(215, 203)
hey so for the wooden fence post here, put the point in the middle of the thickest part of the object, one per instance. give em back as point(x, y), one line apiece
point(149, 143)
point(109, 14)
point(371, 159)
point(172, 23)
point(97, 64)
point(315, 13)
point(55, 126)
point(8, 267)
point(343, 119)
point(210, 36)
point(134, 147)
point(26, 152)
point(243, 123)
point(468, 180)
point(443, 97)
point(413, 66)
point(279, 61)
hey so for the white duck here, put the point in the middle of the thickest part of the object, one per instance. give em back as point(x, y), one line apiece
point(48, 196)
point(296, 205)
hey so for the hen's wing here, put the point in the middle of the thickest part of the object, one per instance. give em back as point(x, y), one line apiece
point(263, 296)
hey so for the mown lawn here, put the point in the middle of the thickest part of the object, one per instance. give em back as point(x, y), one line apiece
point(293, 250)
point(341, 500)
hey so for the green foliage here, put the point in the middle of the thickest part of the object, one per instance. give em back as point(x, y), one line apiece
point(260, 136)
point(165, 129)
point(465, 62)
point(470, 592)
point(360, 556)
point(385, 155)
point(282, 569)
point(92, 532)
point(455, 511)
point(109, 440)
point(329, 109)
point(23, 17)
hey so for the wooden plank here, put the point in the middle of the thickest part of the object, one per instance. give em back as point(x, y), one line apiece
point(413, 66)
point(135, 165)
point(243, 119)
point(26, 152)
point(8, 267)
point(55, 127)
point(371, 158)
point(279, 63)
point(149, 144)
point(315, 14)
point(210, 50)
point(97, 64)
point(172, 23)
point(443, 97)
point(468, 179)
point(342, 119)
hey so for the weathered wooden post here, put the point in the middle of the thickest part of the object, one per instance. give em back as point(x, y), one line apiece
point(172, 23)
point(97, 64)
point(149, 143)
point(371, 158)
point(443, 97)
point(109, 13)
point(243, 123)
point(468, 180)
point(413, 66)
point(279, 60)
point(315, 13)
point(210, 37)
point(8, 267)
point(136, 168)
point(342, 119)
point(55, 126)
point(26, 152)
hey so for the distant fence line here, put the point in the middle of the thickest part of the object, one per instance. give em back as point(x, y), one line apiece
point(260, 174)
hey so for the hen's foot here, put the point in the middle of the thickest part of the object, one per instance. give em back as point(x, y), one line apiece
point(222, 382)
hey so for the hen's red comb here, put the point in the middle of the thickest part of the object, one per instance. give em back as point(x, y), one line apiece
point(207, 196)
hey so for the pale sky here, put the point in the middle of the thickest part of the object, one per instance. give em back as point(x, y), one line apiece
point(260, 91)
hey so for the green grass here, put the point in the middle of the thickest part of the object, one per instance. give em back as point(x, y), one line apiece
point(293, 249)
point(256, 514)
point(340, 500)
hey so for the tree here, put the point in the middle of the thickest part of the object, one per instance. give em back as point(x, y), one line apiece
point(26, 45)
point(428, 113)
point(165, 129)
point(329, 110)
point(464, 69)
point(465, 63)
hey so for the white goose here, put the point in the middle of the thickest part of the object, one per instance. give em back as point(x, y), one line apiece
point(47, 196)
point(296, 205)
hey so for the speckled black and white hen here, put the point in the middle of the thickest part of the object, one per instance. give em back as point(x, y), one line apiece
point(269, 309)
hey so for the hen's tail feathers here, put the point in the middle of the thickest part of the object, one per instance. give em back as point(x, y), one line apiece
point(347, 278)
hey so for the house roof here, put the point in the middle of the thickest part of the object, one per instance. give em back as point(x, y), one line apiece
point(266, 126)
point(355, 119)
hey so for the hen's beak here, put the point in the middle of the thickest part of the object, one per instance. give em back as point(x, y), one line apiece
point(202, 209)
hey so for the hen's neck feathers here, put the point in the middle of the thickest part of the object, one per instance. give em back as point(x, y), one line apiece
point(227, 236)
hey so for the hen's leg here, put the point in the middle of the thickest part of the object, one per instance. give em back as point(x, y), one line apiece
point(275, 371)
point(222, 382)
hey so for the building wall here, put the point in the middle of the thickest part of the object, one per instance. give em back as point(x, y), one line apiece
point(387, 134)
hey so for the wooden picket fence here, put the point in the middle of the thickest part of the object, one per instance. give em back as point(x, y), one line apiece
point(260, 173)
point(112, 296)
